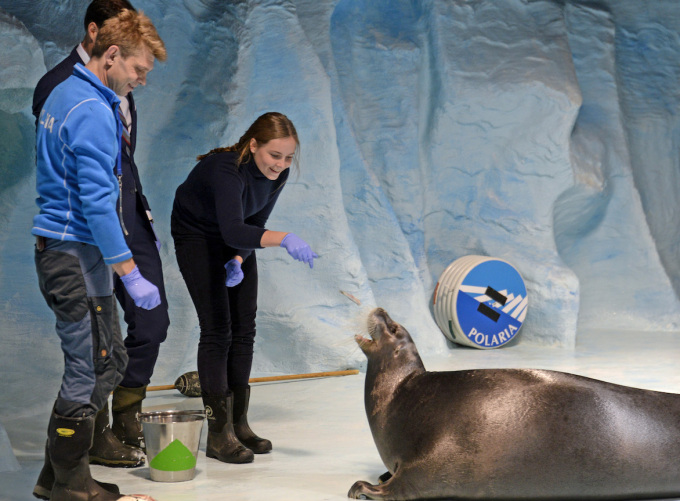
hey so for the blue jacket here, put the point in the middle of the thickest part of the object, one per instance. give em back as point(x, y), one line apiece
point(133, 194)
point(78, 150)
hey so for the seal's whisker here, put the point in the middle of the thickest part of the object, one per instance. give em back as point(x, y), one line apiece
point(351, 353)
point(344, 341)
point(356, 324)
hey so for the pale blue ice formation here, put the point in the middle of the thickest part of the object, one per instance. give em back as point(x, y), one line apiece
point(542, 132)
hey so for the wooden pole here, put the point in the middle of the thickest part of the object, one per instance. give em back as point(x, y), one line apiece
point(274, 378)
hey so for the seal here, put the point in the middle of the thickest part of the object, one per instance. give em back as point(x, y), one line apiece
point(511, 433)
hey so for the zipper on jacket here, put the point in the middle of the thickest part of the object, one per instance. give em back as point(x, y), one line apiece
point(119, 168)
point(120, 204)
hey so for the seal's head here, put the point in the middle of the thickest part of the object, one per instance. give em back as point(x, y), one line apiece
point(392, 360)
point(389, 340)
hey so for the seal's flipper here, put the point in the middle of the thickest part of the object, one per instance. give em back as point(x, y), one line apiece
point(364, 490)
point(391, 486)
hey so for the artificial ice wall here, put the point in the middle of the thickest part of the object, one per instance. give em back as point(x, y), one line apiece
point(542, 132)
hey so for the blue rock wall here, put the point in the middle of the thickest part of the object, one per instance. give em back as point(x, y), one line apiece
point(541, 132)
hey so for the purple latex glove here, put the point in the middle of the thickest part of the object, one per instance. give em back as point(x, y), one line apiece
point(298, 249)
point(234, 272)
point(143, 293)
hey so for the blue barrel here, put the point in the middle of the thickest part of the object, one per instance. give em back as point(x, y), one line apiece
point(480, 301)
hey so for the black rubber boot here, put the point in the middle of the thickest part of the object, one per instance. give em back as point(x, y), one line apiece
point(43, 487)
point(68, 442)
point(126, 406)
point(107, 450)
point(222, 442)
point(241, 428)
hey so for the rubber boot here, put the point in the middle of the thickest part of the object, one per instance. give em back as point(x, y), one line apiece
point(68, 442)
point(222, 442)
point(241, 428)
point(107, 450)
point(126, 406)
point(43, 487)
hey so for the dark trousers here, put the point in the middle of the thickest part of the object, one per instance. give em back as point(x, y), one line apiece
point(226, 315)
point(77, 285)
point(146, 329)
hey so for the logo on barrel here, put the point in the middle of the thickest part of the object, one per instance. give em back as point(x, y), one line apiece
point(491, 304)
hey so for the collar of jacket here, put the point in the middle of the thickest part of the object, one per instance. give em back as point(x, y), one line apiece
point(82, 72)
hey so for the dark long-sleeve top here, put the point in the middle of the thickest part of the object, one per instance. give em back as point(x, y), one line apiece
point(223, 200)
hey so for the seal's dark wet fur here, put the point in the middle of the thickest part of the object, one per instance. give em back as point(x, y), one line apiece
point(511, 433)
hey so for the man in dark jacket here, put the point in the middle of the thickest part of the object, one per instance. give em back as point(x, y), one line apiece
point(147, 329)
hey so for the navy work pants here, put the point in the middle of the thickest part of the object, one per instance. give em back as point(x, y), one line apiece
point(146, 329)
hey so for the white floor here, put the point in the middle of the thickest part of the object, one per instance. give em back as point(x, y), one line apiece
point(322, 443)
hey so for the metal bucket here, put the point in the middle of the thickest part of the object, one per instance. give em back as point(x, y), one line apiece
point(172, 439)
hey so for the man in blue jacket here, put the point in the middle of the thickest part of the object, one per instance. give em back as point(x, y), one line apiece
point(147, 329)
point(79, 239)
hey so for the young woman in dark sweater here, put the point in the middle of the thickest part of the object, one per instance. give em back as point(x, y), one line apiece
point(218, 220)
